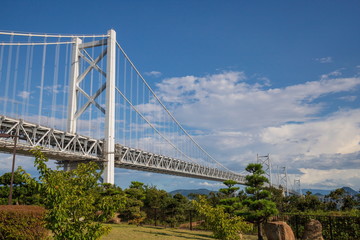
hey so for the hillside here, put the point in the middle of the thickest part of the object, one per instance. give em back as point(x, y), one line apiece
point(186, 192)
point(348, 190)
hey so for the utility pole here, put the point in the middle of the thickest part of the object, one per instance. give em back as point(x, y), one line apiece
point(4, 135)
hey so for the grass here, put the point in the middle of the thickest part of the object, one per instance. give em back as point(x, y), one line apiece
point(132, 232)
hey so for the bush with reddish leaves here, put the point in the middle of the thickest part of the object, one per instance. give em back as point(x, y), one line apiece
point(18, 222)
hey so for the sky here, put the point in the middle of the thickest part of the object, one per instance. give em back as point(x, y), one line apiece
point(251, 77)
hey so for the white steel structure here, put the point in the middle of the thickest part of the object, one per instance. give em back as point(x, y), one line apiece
point(70, 147)
point(266, 163)
point(111, 116)
point(76, 77)
point(283, 180)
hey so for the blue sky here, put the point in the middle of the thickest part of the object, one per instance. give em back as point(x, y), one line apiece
point(277, 77)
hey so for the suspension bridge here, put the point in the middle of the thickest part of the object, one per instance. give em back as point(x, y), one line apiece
point(80, 98)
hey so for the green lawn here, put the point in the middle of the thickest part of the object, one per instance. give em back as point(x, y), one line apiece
point(131, 232)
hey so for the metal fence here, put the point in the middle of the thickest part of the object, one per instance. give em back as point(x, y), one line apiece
point(334, 227)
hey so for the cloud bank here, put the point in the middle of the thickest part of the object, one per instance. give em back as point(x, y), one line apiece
point(311, 128)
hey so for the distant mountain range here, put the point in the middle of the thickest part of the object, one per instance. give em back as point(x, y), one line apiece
point(316, 191)
point(204, 191)
point(348, 190)
point(186, 192)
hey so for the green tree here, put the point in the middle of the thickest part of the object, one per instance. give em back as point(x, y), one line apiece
point(228, 198)
point(73, 201)
point(222, 224)
point(277, 197)
point(175, 209)
point(348, 202)
point(135, 196)
point(309, 202)
point(258, 204)
point(154, 203)
point(23, 193)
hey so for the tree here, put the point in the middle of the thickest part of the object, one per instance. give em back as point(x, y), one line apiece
point(135, 196)
point(259, 206)
point(229, 200)
point(175, 209)
point(155, 200)
point(23, 193)
point(73, 200)
point(309, 202)
point(222, 224)
point(277, 197)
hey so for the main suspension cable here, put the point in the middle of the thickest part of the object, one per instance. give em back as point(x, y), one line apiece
point(168, 112)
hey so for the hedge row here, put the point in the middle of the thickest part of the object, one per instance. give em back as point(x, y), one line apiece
point(18, 222)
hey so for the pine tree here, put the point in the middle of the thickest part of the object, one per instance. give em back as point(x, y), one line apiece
point(258, 204)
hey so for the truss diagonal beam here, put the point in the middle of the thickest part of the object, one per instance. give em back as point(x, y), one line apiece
point(92, 64)
point(91, 99)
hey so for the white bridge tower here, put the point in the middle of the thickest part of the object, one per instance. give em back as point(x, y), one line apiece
point(75, 110)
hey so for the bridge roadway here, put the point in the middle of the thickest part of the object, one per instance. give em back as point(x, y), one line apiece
point(66, 147)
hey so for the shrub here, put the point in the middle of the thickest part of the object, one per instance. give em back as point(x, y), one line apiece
point(72, 200)
point(222, 224)
point(19, 222)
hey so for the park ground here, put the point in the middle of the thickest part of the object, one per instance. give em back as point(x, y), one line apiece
point(133, 232)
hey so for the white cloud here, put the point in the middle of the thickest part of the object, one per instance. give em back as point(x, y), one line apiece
point(212, 184)
point(24, 94)
point(336, 73)
point(225, 98)
point(239, 119)
point(324, 60)
point(348, 98)
point(54, 89)
point(153, 74)
point(330, 178)
point(337, 134)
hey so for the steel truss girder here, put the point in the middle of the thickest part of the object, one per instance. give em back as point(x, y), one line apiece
point(67, 147)
point(57, 144)
point(137, 159)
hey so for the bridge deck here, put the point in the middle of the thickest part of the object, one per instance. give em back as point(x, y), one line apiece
point(67, 147)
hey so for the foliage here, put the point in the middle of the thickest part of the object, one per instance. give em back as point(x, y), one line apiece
point(75, 200)
point(154, 202)
point(335, 201)
point(259, 205)
point(23, 193)
point(230, 190)
point(223, 225)
point(135, 195)
point(163, 208)
point(276, 195)
point(339, 197)
point(228, 199)
point(175, 209)
point(306, 203)
point(22, 223)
